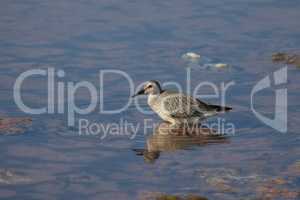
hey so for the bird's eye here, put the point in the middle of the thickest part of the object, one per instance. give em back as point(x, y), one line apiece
point(150, 86)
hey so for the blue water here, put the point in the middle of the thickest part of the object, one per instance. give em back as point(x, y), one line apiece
point(146, 40)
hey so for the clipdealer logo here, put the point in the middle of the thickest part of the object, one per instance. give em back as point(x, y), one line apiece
point(61, 95)
point(280, 116)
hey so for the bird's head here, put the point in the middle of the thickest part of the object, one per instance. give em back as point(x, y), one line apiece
point(150, 87)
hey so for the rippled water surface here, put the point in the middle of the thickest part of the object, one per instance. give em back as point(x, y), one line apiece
point(146, 39)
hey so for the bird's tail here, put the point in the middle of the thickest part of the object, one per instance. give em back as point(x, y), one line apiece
point(220, 108)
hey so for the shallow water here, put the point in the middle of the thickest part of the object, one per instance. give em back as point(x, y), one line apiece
point(146, 40)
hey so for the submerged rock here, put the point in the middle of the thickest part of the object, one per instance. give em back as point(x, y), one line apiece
point(294, 169)
point(220, 184)
point(229, 183)
point(8, 177)
point(228, 180)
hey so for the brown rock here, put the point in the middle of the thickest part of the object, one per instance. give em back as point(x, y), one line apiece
point(278, 181)
point(279, 57)
point(14, 125)
point(271, 192)
point(161, 196)
point(294, 169)
point(292, 59)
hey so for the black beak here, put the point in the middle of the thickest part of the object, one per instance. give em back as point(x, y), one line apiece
point(142, 91)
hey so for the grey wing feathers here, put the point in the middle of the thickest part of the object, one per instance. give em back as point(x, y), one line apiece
point(182, 106)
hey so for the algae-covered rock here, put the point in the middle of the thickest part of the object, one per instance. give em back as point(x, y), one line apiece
point(162, 196)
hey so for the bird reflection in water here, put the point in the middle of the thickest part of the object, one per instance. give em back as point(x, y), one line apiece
point(167, 139)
